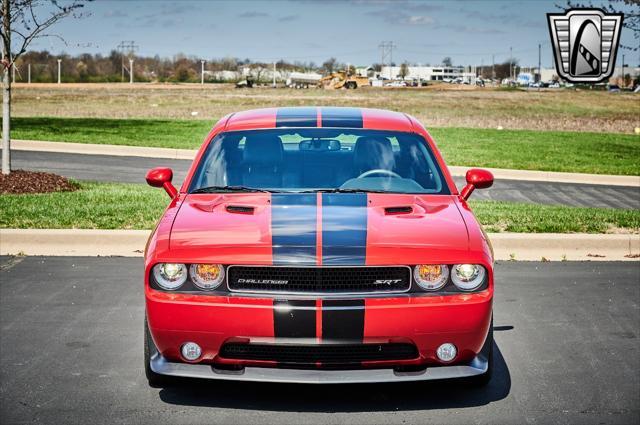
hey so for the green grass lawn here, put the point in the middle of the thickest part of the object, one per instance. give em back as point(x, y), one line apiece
point(599, 153)
point(135, 206)
point(95, 206)
point(519, 217)
point(181, 134)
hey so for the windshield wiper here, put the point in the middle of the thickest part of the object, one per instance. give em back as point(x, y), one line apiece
point(339, 190)
point(214, 189)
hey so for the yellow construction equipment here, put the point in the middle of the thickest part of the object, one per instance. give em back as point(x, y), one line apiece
point(340, 79)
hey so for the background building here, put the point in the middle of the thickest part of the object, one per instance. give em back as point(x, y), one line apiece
point(429, 73)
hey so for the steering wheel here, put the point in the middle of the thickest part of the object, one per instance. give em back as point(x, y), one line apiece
point(379, 171)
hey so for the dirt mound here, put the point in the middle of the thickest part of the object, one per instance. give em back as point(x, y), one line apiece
point(21, 181)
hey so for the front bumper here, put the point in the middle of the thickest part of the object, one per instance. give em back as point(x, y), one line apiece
point(424, 321)
point(161, 365)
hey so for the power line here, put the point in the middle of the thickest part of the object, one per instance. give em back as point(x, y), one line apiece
point(127, 48)
point(323, 55)
point(386, 50)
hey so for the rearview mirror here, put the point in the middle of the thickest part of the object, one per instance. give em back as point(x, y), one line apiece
point(161, 177)
point(477, 178)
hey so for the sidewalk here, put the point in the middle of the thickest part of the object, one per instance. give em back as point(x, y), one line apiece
point(186, 154)
point(507, 246)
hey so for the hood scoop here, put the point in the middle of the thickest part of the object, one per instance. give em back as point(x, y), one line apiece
point(398, 210)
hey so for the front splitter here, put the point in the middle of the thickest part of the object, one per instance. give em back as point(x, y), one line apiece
point(161, 365)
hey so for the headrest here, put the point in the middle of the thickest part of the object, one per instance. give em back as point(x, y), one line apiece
point(372, 153)
point(263, 150)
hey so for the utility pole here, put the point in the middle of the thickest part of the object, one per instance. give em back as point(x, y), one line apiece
point(59, 61)
point(623, 79)
point(202, 72)
point(130, 71)
point(511, 63)
point(493, 67)
point(29, 73)
point(539, 63)
point(274, 75)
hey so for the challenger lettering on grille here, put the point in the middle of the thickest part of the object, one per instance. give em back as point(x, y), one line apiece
point(263, 281)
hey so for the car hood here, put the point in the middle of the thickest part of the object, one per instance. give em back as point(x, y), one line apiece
point(319, 229)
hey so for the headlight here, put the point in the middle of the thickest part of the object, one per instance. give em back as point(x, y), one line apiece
point(468, 277)
point(170, 276)
point(431, 277)
point(206, 276)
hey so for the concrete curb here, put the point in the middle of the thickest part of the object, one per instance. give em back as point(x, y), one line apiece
point(570, 247)
point(93, 149)
point(507, 246)
point(187, 154)
point(69, 242)
point(556, 177)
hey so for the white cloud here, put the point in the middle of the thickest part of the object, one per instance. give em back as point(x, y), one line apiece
point(420, 20)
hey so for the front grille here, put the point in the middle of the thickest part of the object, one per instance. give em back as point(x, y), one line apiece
point(327, 354)
point(332, 280)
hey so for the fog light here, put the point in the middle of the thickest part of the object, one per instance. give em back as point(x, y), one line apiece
point(447, 352)
point(191, 351)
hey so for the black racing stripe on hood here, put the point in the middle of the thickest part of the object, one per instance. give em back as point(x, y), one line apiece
point(294, 228)
point(344, 228)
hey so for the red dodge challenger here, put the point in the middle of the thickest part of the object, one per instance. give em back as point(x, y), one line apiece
point(318, 245)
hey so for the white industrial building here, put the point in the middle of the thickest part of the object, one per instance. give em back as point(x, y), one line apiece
point(430, 73)
point(632, 71)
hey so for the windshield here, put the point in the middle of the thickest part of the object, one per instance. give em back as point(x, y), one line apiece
point(318, 159)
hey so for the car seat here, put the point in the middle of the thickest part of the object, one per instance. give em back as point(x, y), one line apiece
point(263, 158)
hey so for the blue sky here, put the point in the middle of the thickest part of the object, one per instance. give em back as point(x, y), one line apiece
point(470, 32)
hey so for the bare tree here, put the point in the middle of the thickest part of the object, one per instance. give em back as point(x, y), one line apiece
point(329, 65)
point(630, 9)
point(21, 25)
point(404, 70)
point(258, 70)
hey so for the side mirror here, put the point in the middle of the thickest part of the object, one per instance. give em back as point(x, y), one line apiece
point(161, 177)
point(477, 178)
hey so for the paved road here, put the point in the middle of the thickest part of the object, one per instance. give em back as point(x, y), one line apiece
point(567, 351)
point(133, 169)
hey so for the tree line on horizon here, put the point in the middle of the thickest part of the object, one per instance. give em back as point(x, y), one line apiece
point(97, 68)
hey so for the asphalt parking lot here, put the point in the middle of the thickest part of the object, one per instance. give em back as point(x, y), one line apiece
point(567, 351)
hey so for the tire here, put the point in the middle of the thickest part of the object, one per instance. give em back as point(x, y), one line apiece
point(155, 379)
point(487, 349)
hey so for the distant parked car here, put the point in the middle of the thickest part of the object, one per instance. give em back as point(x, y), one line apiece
point(396, 84)
point(614, 88)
